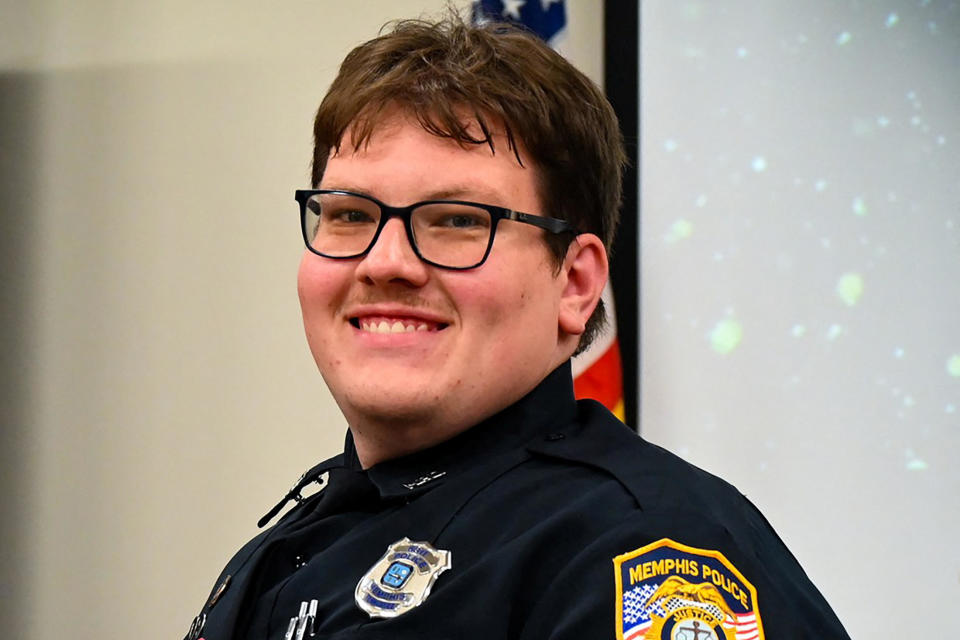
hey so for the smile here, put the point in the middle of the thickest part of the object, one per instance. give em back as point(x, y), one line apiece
point(383, 324)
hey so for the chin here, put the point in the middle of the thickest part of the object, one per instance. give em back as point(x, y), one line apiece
point(377, 405)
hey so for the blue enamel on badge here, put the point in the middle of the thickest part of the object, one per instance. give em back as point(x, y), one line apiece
point(397, 575)
point(401, 579)
point(669, 591)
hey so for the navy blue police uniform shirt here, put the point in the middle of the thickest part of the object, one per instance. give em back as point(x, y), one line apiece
point(549, 520)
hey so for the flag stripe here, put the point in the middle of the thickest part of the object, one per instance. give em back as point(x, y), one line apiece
point(602, 380)
point(637, 631)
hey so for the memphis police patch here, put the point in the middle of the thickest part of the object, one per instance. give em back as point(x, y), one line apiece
point(669, 591)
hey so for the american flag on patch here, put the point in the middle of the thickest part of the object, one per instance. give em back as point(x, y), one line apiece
point(597, 372)
point(746, 625)
point(637, 617)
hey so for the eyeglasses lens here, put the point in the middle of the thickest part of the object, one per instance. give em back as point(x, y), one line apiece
point(449, 234)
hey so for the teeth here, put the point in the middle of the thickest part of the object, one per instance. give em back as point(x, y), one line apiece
point(396, 327)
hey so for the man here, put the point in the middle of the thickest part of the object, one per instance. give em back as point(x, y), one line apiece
point(466, 186)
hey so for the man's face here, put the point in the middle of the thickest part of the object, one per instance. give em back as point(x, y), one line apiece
point(482, 338)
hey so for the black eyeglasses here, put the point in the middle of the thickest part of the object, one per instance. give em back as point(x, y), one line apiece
point(452, 234)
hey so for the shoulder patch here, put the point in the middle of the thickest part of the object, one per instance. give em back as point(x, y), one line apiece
point(669, 591)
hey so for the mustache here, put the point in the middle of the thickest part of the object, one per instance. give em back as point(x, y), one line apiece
point(401, 296)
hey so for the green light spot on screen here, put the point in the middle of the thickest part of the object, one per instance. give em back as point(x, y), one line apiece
point(834, 332)
point(914, 462)
point(850, 288)
point(726, 336)
point(859, 207)
point(680, 230)
point(953, 365)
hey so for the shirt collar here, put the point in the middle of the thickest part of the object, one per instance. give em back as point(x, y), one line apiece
point(549, 407)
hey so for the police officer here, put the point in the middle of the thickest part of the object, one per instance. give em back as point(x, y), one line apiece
point(466, 189)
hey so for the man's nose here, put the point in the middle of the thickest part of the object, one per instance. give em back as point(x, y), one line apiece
point(392, 258)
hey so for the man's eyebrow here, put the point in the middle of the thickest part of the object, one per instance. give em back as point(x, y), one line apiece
point(476, 193)
point(463, 192)
point(347, 187)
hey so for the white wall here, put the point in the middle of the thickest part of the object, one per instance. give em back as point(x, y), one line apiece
point(161, 395)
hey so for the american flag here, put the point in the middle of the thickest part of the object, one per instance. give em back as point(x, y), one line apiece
point(597, 372)
point(638, 615)
point(546, 18)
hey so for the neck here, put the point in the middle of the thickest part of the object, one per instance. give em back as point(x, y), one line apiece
point(376, 441)
point(380, 434)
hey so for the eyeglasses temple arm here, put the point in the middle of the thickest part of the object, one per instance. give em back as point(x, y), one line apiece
point(553, 225)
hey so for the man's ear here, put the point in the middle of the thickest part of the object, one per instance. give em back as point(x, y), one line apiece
point(585, 269)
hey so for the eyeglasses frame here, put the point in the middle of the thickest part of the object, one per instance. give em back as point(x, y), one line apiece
point(551, 225)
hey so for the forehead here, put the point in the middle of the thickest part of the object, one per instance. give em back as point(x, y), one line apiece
point(460, 123)
point(397, 156)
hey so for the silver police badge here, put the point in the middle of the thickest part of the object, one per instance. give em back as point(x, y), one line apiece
point(401, 579)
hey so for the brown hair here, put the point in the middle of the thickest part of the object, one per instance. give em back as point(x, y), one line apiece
point(502, 75)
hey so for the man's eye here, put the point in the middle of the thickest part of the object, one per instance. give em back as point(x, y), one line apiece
point(348, 216)
point(462, 221)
